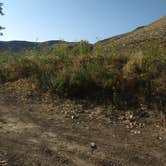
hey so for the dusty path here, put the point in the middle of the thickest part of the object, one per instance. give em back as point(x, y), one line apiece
point(32, 136)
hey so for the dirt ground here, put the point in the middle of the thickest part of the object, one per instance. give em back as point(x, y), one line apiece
point(38, 132)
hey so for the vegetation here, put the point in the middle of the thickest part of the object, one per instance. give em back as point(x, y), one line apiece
point(1, 13)
point(95, 73)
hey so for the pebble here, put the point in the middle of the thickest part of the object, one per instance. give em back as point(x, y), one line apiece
point(72, 117)
point(131, 117)
point(93, 145)
point(135, 131)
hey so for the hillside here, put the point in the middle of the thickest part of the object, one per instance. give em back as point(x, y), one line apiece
point(84, 71)
point(144, 36)
point(18, 46)
point(85, 106)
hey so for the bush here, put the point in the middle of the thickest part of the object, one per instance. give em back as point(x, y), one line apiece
point(79, 78)
point(132, 79)
point(144, 76)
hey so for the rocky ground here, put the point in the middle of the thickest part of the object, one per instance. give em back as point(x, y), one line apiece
point(42, 131)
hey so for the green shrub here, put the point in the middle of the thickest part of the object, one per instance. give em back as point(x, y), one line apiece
point(131, 79)
point(144, 76)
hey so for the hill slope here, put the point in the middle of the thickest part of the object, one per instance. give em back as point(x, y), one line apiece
point(17, 46)
point(82, 72)
point(152, 34)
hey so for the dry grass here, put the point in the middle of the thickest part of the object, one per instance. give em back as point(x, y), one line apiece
point(121, 79)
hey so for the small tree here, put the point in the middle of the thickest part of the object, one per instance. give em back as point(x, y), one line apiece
point(1, 13)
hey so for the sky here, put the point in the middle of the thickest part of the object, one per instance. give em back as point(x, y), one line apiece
point(74, 20)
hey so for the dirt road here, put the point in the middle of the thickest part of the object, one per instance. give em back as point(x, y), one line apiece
point(34, 133)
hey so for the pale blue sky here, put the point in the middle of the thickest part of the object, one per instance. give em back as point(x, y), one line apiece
point(73, 20)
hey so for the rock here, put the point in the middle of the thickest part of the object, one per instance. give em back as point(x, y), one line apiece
point(93, 145)
point(72, 117)
point(138, 132)
point(141, 125)
point(135, 132)
point(131, 117)
point(3, 163)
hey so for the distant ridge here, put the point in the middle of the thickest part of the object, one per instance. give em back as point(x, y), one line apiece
point(17, 46)
point(152, 34)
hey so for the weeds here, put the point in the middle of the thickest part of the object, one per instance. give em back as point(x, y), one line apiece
point(79, 71)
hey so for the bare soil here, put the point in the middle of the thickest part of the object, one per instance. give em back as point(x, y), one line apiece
point(54, 132)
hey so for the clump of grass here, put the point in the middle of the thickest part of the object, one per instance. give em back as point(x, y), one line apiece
point(144, 75)
point(77, 78)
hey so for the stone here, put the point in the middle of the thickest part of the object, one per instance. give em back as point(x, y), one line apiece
point(72, 117)
point(93, 145)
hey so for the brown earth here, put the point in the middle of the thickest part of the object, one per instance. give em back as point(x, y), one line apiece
point(41, 131)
